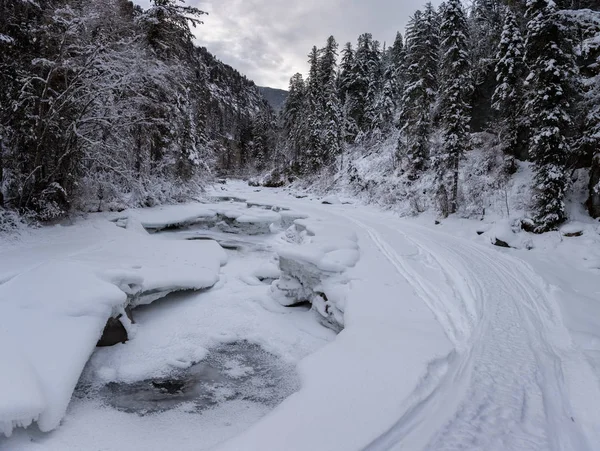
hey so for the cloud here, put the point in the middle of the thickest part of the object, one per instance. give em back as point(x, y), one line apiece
point(269, 40)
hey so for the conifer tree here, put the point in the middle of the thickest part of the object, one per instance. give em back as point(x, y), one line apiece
point(313, 158)
point(454, 95)
point(332, 132)
point(552, 89)
point(510, 69)
point(293, 115)
point(345, 86)
point(420, 88)
point(397, 66)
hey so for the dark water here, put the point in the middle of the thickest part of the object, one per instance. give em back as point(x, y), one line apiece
point(235, 371)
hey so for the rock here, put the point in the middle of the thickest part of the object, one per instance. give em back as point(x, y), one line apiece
point(437, 222)
point(480, 232)
point(114, 333)
point(573, 234)
point(500, 243)
point(528, 225)
point(331, 200)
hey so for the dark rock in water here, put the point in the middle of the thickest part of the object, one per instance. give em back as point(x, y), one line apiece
point(169, 386)
point(114, 333)
point(500, 243)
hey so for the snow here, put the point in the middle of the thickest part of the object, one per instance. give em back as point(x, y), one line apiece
point(448, 342)
point(66, 294)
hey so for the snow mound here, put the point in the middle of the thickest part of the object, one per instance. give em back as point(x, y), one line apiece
point(505, 234)
point(313, 267)
point(54, 308)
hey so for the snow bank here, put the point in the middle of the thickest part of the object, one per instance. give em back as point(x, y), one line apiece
point(313, 267)
point(58, 295)
point(226, 216)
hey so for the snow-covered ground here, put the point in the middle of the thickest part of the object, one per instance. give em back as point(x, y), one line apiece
point(448, 341)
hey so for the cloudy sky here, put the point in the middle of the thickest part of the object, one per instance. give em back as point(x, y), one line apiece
point(268, 40)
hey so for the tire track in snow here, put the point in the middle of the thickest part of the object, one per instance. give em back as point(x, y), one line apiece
point(511, 384)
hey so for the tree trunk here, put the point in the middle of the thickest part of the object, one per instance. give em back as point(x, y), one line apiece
point(593, 202)
point(454, 200)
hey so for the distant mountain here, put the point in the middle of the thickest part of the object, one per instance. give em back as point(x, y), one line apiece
point(275, 97)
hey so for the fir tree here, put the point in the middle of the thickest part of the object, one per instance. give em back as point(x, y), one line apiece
point(420, 88)
point(345, 86)
point(332, 123)
point(552, 88)
point(454, 94)
point(293, 115)
point(510, 70)
point(313, 158)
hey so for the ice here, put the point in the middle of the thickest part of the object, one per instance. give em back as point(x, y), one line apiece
point(313, 266)
point(66, 294)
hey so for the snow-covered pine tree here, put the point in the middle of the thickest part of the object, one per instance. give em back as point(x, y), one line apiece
point(552, 88)
point(454, 94)
point(510, 71)
point(332, 122)
point(345, 92)
point(397, 64)
point(294, 120)
point(485, 28)
point(357, 101)
point(420, 88)
point(374, 102)
point(313, 158)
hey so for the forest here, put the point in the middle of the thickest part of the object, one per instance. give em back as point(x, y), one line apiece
point(105, 105)
point(520, 78)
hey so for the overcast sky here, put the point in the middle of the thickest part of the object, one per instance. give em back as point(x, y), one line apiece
point(269, 40)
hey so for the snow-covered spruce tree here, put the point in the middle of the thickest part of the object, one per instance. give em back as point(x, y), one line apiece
point(510, 71)
point(420, 88)
point(454, 106)
point(373, 108)
point(356, 95)
point(397, 66)
point(331, 120)
point(312, 158)
point(384, 107)
point(485, 28)
point(552, 87)
point(294, 120)
point(345, 94)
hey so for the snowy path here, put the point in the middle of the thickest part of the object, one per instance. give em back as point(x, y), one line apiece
point(517, 381)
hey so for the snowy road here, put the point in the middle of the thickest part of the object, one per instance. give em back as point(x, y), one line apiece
point(517, 382)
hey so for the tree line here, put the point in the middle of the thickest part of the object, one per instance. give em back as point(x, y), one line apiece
point(105, 105)
point(526, 71)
